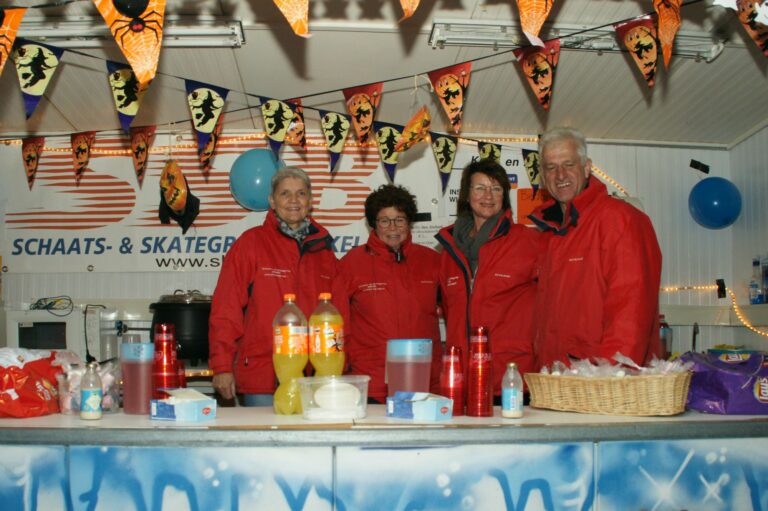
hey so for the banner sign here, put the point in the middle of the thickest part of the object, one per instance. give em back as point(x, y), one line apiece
point(110, 224)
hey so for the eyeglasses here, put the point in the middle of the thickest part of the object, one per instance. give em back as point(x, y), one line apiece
point(386, 222)
point(481, 189)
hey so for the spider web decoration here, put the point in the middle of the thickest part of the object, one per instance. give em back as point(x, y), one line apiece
point(669, 22)
point(533, 14)
point(409, 7)
point(139, 34)
point(10, 19)
point(297, 14)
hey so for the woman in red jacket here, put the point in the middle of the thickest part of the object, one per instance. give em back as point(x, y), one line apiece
point(289, 253)
point(390, 288)
point(488, 270)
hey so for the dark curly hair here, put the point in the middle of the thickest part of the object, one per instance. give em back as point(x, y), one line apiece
point(390, 196)
point(493, 170)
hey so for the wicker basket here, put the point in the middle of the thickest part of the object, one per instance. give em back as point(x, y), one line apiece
point(630, 395)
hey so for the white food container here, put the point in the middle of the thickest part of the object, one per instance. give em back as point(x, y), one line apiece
point(334, 397)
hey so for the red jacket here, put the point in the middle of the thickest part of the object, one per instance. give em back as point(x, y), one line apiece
point(501, 298)
point(262, 265)
point(599, 281)
point(388, 299)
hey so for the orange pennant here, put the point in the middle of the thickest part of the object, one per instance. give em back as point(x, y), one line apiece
point(30, 152)
point(362, 103)
point(539, 65)
point(668, 12)
point(297, 133)
point(639, 37)
point(138, 30)
point(81, 151)
point(141, 141)
point(533, 14)
point(10, 19)
point(297, 14)
point(409, 7)
point(451, 84)
point(415, 131)
point(747, 10)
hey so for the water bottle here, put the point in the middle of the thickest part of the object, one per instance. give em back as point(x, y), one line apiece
point(512, 393)
point(665, 335)
point(91, 393)
point(756, 294)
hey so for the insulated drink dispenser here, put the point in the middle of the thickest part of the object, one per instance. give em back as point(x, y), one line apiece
point(136, 368)
point(408, 365)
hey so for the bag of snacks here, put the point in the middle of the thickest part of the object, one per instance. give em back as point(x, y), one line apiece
point(27, 383)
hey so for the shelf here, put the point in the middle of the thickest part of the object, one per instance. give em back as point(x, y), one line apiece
point(714, 315)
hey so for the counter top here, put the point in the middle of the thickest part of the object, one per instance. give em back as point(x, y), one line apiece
point(261, 427)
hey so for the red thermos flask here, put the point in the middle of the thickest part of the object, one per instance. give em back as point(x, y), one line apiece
point(479, 375)
point(452, 379)
point(165, 369)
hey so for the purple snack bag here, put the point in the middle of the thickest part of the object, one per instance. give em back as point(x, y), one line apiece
point(731, 385)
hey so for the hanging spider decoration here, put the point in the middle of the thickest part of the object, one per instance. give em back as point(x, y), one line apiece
point(136, 20)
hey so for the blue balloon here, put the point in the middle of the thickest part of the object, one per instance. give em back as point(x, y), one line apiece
point(250, 179)
point(715, 203)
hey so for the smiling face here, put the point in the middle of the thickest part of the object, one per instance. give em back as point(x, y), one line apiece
point(291, 201)
point(485, 197)
point(565, 176)
point(392, 227)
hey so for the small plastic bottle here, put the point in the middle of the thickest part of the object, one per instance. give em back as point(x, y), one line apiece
point(512, 393)
point(91, 393)
point(665, 336)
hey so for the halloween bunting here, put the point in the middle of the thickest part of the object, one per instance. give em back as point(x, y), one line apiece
point(668, 12)
point(533, 14)
point(362, 103)
point(209, 151)
point(415, 131)
point(444, 148)
point(81, 151)
point(532, 168)
point(450, 86)
point(539, 65)
point(137, 27)
point(10, 19)
point(36, 64)
point(176, 200)
point(126, 91)
point(639, 37)
point(409, 7)
point(30, 152)
point(386, 138)
point(335, 127)
point(489, 150)
point(278, 116)
point(141, 141)
point(752, 18)
point(297, 130)
point(206, 103)
point(297, 14)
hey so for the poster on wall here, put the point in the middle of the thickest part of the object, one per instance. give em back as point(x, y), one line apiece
point(110, 223)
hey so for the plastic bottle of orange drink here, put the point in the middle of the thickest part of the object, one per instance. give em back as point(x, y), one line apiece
point(326, 338)
point(289, 354)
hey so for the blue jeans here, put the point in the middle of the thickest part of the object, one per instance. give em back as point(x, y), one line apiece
point(257, 399)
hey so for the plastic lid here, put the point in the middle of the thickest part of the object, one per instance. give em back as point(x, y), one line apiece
point(289, 297)
point(137, 352)
point(512, 365)
point(409, 348)
point(324, 296)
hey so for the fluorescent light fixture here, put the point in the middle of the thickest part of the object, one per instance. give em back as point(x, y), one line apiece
point(507, 34)
point(178, 32)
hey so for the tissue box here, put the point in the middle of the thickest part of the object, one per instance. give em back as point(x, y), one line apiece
point(420, 406)
point(187, 405)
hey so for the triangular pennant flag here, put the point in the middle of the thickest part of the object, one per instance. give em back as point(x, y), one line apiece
point(176, 200)
point(668, 12)
point(141, 141)
point(335, 127)
point(31, 148)
point(206, 103)
point(82, 143)
point(362, 103)
point(386, 138)
point(489, 150)
point(409, 7)
point(277, 116)
point(126, 91)
point(755, 25)
point(138, 30)
point(297, 130)
point(10, 19)
point(415, 131)
point(297, 14)
point(533, 14)
point(639, 37)
point(209, 151)
point(451, 84)
point(444, 148)
point(36, 63)
point(539, 64)
point(532, 168)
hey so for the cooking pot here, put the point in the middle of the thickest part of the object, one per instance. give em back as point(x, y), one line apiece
point(188, 312)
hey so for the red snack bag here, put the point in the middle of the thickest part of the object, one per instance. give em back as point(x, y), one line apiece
point(27, 383)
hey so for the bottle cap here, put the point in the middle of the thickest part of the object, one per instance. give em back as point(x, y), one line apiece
point(324, 296)
point(512, 365)
point(289, 297)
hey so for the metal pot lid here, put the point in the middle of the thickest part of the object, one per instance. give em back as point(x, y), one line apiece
point(181, 296)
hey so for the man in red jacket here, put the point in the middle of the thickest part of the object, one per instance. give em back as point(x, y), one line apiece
point(598, 291)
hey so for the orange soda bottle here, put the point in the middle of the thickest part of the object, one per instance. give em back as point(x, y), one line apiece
point(326, 338)
point(289, 354)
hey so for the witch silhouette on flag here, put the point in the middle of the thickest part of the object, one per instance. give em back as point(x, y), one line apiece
point(36, 63)
point(444, 148)
point(206, 103)
point(387, 136)
point(362, 103)
point(126, 91)
point(639, 38)
point(335, 127)
point(278, 116)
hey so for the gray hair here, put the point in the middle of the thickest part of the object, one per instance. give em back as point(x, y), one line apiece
point(287, 172)
point(558, 134)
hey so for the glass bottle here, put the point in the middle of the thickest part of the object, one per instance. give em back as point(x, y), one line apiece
point(91, 393)
point(512, 393)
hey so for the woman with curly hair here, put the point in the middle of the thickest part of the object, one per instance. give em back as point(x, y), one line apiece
point(390, 285)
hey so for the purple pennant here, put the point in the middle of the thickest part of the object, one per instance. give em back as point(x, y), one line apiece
point(36, 63)
point(386, 136)
point(206, 104)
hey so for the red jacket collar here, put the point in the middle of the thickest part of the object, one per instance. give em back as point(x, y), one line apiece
point(376, 245)
point(549, 216)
